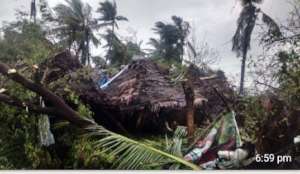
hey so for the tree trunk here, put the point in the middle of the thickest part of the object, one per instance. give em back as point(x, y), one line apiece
point(59, 105)
point(111, 41)
point(189, 97)
point(243, 69)
point(33, 11)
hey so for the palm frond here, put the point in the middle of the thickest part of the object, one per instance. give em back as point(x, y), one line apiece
point(121, 18)
point(155, 43)
point(132, 154)
point(246, 2)
point(108, 10)
point(273, 31)
point(242, 37)
point(175, 146)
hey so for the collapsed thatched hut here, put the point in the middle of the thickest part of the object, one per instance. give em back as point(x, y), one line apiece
point(143, 91)
point(147, 97)
point(140, 96)
point(144, 85)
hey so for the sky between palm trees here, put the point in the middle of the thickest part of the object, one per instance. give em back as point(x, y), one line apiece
point(214, 20)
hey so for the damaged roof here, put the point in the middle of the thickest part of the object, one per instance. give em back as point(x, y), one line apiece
point(144, 85)
point(209, 84)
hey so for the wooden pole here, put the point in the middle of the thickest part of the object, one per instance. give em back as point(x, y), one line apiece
point(190, 110)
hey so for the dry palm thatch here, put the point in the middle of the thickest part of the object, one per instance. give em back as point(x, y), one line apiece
point(144, 85)
point(146, 97)
point(211, 85)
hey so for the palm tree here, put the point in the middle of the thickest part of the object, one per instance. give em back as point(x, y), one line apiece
point(108, 10)
point(245, 25)
point(75, 27)
point(33, 11)
point(184, 30)
point(172, 36)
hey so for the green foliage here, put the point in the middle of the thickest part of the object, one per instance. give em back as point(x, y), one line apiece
point(172, 39)
point(109, 13)
point(176, 69)
point(253, 116)
point(19, 138)
point(76, 27)
point(289, 77)
point(24, 41)
point(82, 109)
point(110, 17)
point(132, 154)
point(84, 156)
point(121, 52)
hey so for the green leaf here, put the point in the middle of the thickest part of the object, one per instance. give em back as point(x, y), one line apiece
point(132, 154)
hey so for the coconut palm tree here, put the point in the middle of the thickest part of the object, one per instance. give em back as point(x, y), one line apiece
point(75, 27)
point(184, 30)
point(245, 25)
point(172, 36)
point(33, 11)
point(109, 16)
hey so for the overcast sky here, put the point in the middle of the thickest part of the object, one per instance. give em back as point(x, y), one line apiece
point(214, 20)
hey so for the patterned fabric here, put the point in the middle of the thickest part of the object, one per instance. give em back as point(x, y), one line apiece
point(224, 135)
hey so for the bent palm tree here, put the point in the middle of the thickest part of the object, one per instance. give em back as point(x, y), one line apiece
point(108, 10)
point(172, 38)
point(76, 27)
point(184, 30)
point(242, 37)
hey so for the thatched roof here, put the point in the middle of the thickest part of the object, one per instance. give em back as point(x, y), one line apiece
point(59, 65)
point(143, 84)
point(207, 84)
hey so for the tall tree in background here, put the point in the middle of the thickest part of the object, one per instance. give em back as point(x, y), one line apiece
point(33, 11)
point(76, 27)
point(183, 28)
point(122, 52)
point(245, 25)
point(172, 37)
point(110, 16)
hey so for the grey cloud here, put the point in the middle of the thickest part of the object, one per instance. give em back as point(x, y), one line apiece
point(215, 20)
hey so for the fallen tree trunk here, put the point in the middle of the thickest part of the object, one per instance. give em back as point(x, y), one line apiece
point(60, 108)
point(65, 71)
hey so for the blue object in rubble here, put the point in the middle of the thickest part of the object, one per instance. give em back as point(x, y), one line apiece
point(103, 79)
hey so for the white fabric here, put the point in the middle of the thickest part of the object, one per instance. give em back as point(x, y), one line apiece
point(297, 139)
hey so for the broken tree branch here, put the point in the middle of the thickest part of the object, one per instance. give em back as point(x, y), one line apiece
point(61, 107)
point(25, 105)
point(223, 99)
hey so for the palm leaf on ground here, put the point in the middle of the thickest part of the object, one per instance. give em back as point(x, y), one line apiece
point(133, 154)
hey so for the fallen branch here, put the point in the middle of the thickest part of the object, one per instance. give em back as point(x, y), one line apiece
point(25, 105)
point(62, 109)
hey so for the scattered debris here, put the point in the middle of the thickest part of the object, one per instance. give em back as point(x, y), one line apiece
point(2, 90)
point(12, 71)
